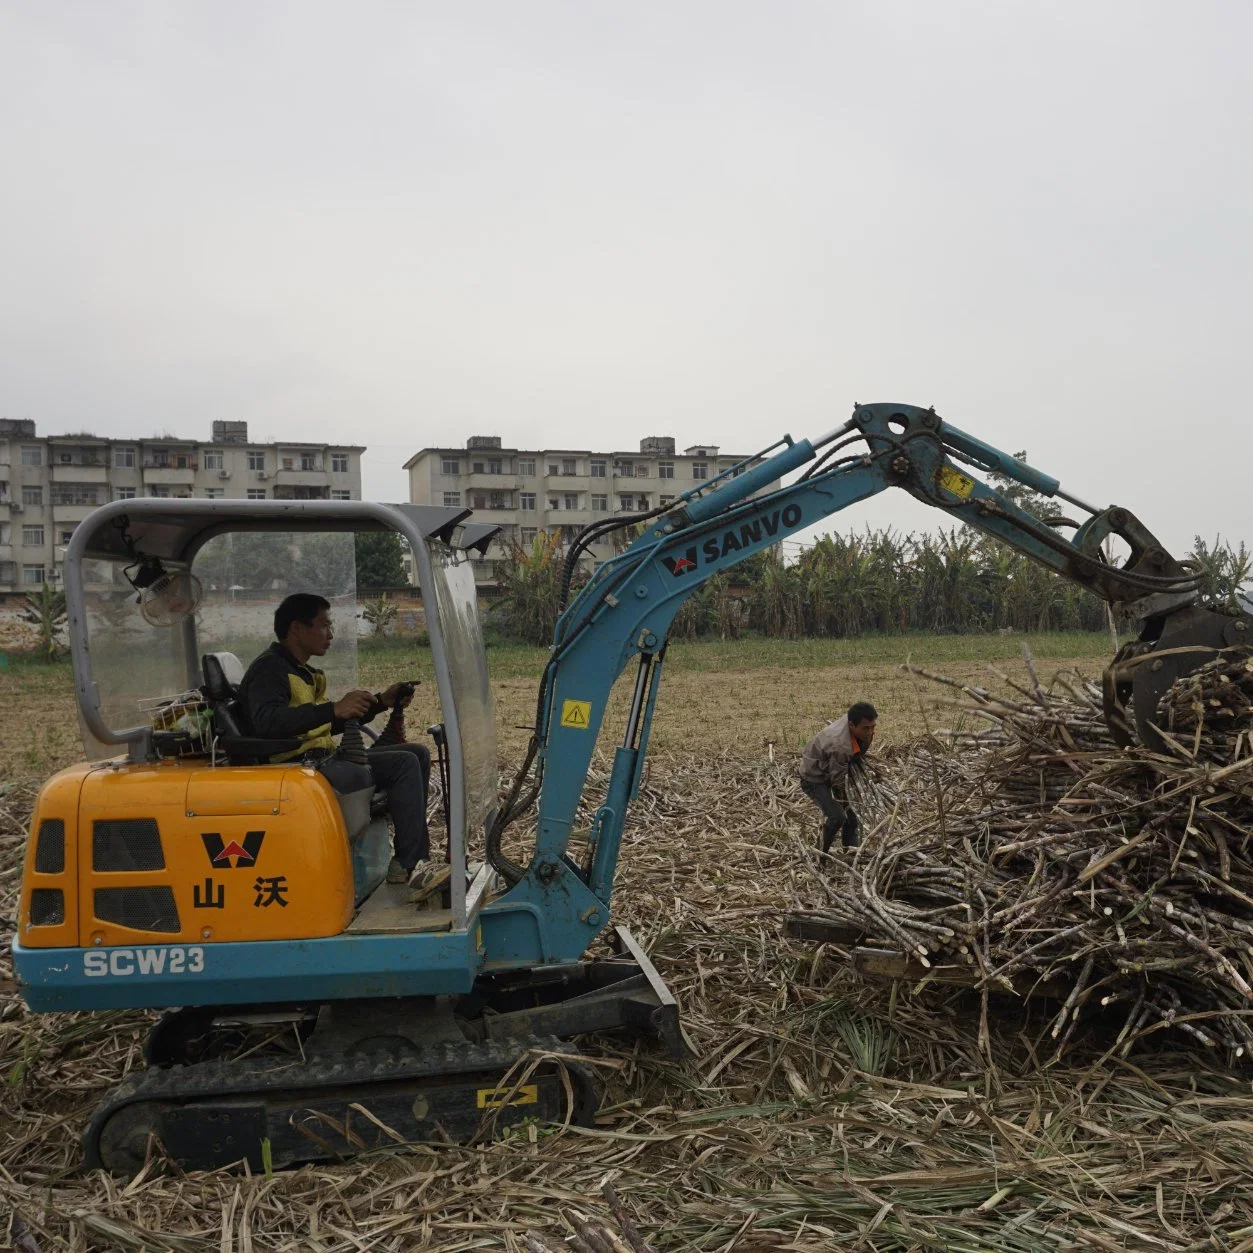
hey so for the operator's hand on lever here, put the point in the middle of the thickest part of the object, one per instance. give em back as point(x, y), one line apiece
point(402, 692)
point(353, 704)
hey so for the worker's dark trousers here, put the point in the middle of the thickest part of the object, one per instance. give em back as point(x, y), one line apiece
point(838, 819)
point(403, 771)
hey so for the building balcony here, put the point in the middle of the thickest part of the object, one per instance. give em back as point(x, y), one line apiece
point(81, 473)
point(302, 491)
point(496, 516)
point(164, 474)
point(571, 517)
point(491, 482)
point(71, 513)
point(300, 478)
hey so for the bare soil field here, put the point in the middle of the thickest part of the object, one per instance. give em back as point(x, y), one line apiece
point(820, 1112)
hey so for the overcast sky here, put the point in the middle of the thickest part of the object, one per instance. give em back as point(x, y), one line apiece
point(583, 223)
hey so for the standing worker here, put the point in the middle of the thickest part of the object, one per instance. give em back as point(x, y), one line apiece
point(825, 764)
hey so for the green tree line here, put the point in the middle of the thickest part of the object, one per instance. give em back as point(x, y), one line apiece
point(874, 581)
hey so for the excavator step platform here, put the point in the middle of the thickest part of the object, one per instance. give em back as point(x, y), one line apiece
point(391, 910)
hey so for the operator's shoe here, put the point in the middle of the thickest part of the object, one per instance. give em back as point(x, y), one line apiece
point(427, 878)
point(396, 873)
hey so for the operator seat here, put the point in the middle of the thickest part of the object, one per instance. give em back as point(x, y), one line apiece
point(223, 673)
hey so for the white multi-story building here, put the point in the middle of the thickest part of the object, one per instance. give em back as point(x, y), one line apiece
point(559, 489)
point(49, 484)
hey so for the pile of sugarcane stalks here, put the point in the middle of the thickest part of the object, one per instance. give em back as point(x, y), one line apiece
point(1033, 854)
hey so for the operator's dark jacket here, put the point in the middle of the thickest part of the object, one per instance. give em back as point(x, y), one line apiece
point(284, 699)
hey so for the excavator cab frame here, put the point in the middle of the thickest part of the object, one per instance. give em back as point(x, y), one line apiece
point(173, 532)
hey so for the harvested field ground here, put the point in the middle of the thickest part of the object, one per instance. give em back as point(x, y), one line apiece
point(820, 1112)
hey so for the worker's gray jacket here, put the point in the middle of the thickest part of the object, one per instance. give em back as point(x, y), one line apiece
point(829, 754)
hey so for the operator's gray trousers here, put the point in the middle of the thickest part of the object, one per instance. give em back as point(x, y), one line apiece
point(838, 817)
point(403, 771)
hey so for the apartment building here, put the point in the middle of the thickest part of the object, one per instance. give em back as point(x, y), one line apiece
point(49, 484)
point(560, 489)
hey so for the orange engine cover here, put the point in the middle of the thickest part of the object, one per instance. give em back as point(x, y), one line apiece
point(122, 852)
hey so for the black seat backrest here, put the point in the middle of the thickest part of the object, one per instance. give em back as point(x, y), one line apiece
point(217, 688)
point(222, 673)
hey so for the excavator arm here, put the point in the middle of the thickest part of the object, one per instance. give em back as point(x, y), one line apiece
point(623, 614)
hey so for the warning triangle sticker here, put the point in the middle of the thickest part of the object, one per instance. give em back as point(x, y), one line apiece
point(576, 714)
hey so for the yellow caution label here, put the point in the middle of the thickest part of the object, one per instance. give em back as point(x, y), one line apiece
point(576, 713)
point(954, 481)
point(498, 1098)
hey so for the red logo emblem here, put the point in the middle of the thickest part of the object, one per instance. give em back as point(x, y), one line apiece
point(682, 564)
point(232, 856)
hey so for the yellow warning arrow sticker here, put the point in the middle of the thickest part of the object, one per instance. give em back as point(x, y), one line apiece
point(498, 1098)
point(954, 481)
point(576, 713)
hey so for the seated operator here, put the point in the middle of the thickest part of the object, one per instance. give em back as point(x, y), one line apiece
point(285, 697)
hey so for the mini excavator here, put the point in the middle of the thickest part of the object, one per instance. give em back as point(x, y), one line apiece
point(311, 1010)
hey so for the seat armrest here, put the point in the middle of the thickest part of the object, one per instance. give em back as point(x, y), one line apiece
point(254, 746)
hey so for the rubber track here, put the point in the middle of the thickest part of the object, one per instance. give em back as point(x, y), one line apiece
point(222, 1080)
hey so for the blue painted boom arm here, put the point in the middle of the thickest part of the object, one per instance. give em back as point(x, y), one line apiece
point(625, 611)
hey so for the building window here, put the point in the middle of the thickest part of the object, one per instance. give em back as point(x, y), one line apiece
point(641, 503)
point(33, 536)
point(212, 459)
point(478, 500)
point(499, 500)
point(571, 500)
point(66, 536)
point(340, 494)
point(569, 465)
point(554, 503)
point(665, 469)
point(553, 469)
point(8, 572)
point(124, 458)
point(600, 503)
point(75, 494)
point(124, 493)
point(308, 461)
point(32, 576)
point(598, 469)
point(625, 468)
point(256, 460)
point(450, 465)
point(32, 495)
point(528, 534)
point(452, 500)
point(159, 491)
point(256, 493)
point(526, 500)
point(700, 470)
point(494, 465)
point(626, 503)
point(214, 493)
point(339, 464)
point(289, 463)
point(526, 468)
point(32, 455)
point(666, 500)
point(641, 469)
